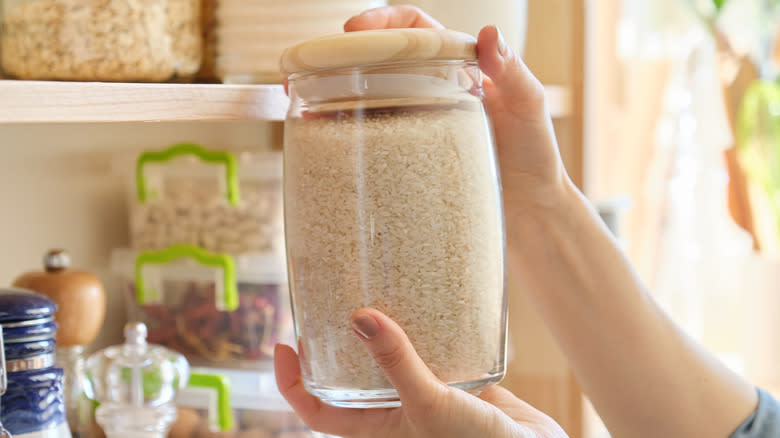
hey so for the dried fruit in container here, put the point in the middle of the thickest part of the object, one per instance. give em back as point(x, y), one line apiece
point(215, 308)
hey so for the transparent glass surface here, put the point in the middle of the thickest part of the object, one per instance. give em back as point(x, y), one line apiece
point(135, 384)
point(392, 201)
point(3, 381)
point(78, 408)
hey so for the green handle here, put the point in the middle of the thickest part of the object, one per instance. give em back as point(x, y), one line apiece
point(205, 155)
point(221, 385)
point(215, 260)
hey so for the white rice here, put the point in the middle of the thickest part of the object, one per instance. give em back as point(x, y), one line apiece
point(398, 211)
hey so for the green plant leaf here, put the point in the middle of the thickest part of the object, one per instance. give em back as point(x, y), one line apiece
point(719, 4)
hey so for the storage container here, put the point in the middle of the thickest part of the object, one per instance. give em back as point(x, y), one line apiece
point(32, 401)
point(101, 40)
point(216, 200)
point(256, 408)
point(251, 34)
point(216, 309)
point(392, 201)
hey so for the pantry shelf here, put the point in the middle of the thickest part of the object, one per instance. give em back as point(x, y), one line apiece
point(55, 102)
point(82, 102)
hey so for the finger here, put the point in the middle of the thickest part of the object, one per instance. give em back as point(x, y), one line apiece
point(391, 17)
point(510, 77)
point(392, 351)
point(312, 411)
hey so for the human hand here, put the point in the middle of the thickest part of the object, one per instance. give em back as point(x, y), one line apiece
point(532, 173)
point(429, 408)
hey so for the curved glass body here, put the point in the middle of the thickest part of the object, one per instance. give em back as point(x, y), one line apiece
point(393, 201)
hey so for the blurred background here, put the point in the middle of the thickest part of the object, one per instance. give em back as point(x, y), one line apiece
point(667, 114)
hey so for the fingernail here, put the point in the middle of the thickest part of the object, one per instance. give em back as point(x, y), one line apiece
point(502, 47)
point(365, 326)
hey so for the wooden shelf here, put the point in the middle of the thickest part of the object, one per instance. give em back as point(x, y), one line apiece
point(79, 102)
point(53, 102)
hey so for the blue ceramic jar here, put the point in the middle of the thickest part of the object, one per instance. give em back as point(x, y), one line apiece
point(32, 406)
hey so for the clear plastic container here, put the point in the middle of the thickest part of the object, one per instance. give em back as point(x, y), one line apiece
point(392, 201)
point(253, 409)
point(216, 200)
point(215, 309)
point(101, 40)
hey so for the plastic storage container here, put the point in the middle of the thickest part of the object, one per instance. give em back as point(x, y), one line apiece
point(255, 407)
point(101, 40)
point(215, 309)
point(392, 201)
point(189, 195)
point(251, 34)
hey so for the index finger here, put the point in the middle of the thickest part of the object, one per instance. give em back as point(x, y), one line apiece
point(391, 17)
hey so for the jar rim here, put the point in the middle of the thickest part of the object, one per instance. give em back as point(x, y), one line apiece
point(382, 46)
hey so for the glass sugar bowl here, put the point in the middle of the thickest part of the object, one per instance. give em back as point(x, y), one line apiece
point(135, 384)
point(32, 405)
point(393, 201)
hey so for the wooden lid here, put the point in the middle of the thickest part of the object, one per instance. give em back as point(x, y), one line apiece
point(377, 47)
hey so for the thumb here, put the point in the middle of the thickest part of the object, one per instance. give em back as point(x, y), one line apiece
point(519, 90)
point(392, 350)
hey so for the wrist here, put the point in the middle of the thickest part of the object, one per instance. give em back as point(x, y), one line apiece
point(554, 204)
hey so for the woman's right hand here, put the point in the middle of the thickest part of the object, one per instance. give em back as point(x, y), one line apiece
point(430, 408)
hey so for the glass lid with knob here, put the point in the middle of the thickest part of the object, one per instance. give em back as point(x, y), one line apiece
point(135, 384)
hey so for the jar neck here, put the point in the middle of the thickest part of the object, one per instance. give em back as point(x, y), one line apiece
point(396, 84)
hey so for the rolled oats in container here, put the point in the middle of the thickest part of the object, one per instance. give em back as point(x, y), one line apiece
point(216, 200)
point(392, 201)
point(101, 40)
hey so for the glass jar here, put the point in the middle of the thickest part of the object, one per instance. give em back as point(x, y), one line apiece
point(393, 201)
point(135, 385)
point(101, 40)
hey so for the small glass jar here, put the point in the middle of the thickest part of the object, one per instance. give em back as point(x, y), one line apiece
point(393, 201)
point(135, 385)
point(101, 40)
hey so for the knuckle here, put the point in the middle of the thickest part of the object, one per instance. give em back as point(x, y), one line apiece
point(391, 358)
point(431, 403)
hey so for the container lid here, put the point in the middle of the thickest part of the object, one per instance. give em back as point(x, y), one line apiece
point(377, 47)
point(22, 305)
point(136, 374)
point(257, 268)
